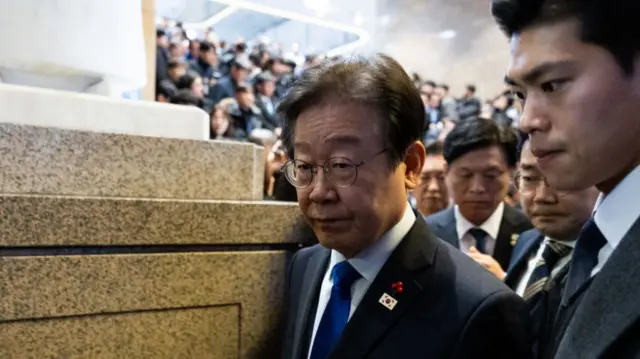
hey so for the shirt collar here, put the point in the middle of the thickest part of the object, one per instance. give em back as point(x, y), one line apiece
point(491, 225)
point(616, 212)
point(369, 262)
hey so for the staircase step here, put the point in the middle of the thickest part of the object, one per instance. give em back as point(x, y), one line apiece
point(75, 111)
point(44, 160)
point(36, 220)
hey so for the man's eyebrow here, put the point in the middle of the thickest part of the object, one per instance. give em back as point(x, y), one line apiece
point(533, 75)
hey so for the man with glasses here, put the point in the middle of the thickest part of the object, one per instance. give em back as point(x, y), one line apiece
point(379, 284)
point(541, 255)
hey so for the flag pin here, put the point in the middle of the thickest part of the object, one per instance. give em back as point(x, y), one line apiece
point(514, 239)
point(388, 301)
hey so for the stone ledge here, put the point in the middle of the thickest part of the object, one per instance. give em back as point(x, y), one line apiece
point(67, 110)
point(78, 221)
point(40, 160)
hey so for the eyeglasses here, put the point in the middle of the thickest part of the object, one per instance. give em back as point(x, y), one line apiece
point(340, 171)
point(530, 184)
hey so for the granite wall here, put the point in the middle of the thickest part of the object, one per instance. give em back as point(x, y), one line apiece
point(117, 246)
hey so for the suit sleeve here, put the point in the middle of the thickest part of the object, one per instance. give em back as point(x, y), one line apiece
point(498, 329)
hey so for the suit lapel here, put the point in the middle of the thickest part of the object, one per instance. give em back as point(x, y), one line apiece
point(315, 271)
point(610, 305)
point(504, 246)
point(527, 244)
point(407, 264)
point(448, 228)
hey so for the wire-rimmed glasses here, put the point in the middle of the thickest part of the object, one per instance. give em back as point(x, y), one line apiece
point(340, 171)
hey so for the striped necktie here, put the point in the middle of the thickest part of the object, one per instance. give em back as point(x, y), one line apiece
point(552, 253)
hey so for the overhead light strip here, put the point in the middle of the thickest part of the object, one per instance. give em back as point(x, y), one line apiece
point(216, 18)
point(363, 35)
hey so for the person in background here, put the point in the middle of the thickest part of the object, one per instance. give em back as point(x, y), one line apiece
point(185, 97)
point(227, 86)
point(575, 64)
point(469, 106)
point(265, 84)
point(431, 194)
point(206, 65)
point(162, 56)
point(194, 84)
point(245, 114)
point(449, 106)
point(480, 156)
point(380, 284)
point(221, 127)
point(428, 88)
point(543, 252)
point(194, 50)
point(169, 86)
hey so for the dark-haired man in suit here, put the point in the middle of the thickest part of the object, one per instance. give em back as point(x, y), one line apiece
point(480, 156)
point(576, 66)
point(543, 253)
point(379, 284)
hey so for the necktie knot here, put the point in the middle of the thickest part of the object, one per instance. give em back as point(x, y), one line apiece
point(343, 275)
point(480, 236)
point(554, 251)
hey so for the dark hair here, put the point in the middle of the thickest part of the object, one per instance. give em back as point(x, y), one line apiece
point(444, 86)
point(174, 65)
point(207, 46)
point(185, 97)
point(471, 88)
point(241, 47)
point(434, 148)
point(186, 81)
point(429, 83)
point(476, 133)
point(611, 24)
point(160, 33)
point(378, 81)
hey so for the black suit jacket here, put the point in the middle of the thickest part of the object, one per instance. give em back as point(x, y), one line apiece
point(269, 114)
point(449, 308)
point(513, 222)
point(543, 312)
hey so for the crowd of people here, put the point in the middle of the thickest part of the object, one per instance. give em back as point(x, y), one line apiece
point(538, 186)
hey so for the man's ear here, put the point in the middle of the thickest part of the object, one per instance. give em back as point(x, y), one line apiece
point(414, 161)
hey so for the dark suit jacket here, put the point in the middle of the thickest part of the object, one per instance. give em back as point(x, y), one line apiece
point(449, 308)
point(268, 115)
point(513, 222)
point(543, 312)
point(606, 320)
point(224, 88)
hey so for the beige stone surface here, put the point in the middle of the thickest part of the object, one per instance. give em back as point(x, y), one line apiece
point(202, 333)
point(38, 160)
point(149, 31)
point(36, 287)
point(62, 221)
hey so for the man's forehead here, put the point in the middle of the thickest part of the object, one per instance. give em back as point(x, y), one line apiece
point(545, 44)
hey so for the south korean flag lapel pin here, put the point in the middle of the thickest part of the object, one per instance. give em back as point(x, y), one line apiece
point(388, 300)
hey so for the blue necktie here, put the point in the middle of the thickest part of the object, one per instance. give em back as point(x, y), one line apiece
point(336, 314)
point(585, 257)
point(480, 235)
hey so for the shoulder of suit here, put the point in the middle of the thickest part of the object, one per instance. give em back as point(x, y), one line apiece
point(471, 282)
point(439, 218)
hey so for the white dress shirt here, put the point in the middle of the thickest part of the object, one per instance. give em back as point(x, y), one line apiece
point(533, 262)
point(368, 263)
point(615, 213)
point(491, 226)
